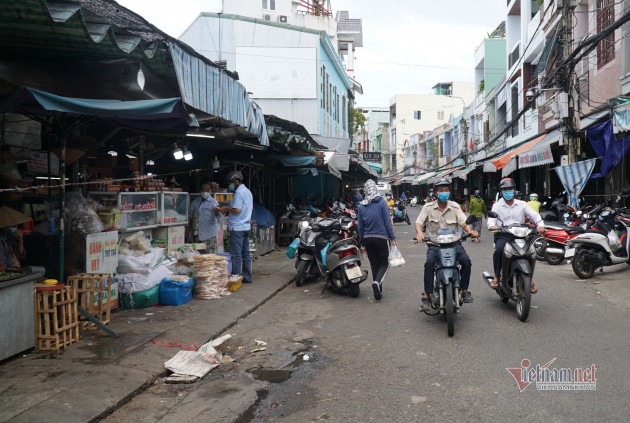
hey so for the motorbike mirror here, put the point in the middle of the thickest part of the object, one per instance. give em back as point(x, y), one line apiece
point(493, 214)
point(471, 219)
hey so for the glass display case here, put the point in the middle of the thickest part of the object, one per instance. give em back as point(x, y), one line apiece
point(174, 208)
point(128, 211)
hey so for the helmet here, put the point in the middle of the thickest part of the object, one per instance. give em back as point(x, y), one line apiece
point(518, 194)
point(441, 182)
point(477, 193)
point(533, 196)
point(233, 176)
point(507, 183)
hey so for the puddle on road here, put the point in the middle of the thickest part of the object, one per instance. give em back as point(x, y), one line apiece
point(107, 348)
point(272, 375)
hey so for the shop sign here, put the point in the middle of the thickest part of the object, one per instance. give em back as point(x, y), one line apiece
point(37, 162)
point(373, 156)
point(535, 157)
point(621, 119)
point(101, 252)
point(176, 237)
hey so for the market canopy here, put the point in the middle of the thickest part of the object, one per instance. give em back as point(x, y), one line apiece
point(503, 161)
point(422, 179)
point(160, 114)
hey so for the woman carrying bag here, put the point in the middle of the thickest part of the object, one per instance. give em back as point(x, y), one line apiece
point(375, 233)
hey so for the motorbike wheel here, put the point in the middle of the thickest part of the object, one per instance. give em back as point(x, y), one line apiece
point(450, 311)
point(539, 246)
point(301, 273)
point(582, 269)
point(354, 290)
point(407, 219)
point(523, 302)
point(554, 259)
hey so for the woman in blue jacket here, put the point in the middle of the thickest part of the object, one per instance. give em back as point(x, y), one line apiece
point(375, 233)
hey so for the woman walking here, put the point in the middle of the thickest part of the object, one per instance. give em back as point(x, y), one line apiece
point(375, 233)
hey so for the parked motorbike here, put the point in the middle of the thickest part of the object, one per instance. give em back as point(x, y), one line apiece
point(305, 254)
point(291, 213)
point(447, 296)
point(605, 246)
point(517, 269)
point(414, 201)
point(400, 213)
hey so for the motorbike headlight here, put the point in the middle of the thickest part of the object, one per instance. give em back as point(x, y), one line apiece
point(509, 251)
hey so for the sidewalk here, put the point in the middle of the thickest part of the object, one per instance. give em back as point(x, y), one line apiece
point(96, 375)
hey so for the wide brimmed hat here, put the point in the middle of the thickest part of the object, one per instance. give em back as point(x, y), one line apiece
point(10, 217)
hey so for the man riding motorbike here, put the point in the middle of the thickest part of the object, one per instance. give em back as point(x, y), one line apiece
point(511, 212)
point(443, 214)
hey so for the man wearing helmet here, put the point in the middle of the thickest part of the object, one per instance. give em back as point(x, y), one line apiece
point(511, 212)
point(533, 202)
point(239, 225)
point(443, 214)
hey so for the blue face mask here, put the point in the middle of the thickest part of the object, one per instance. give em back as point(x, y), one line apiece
point(508, 195)
point(231, 187)
point(443, 196)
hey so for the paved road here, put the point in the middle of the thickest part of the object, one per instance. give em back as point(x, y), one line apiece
point(386, 362)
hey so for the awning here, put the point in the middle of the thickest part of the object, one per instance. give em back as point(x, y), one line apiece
point(376, 166)
point(506, 158)
point(293, 160)
point(162, 114)
point(546, 54)
point(541, 154)
point(463, 173)
point(211, 90)
point(621, 118)
point(443, 173)
point(422, 179)
point(609, 148)
point(337, 156)
point(574, 177)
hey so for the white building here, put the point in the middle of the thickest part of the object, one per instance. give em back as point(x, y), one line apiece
point(415, 113)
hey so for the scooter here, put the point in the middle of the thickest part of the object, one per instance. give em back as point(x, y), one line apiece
point(603, 247)
point(414, 202)
point(400, 213)
point(517, 268)
point(305, 254)
point(447, 296)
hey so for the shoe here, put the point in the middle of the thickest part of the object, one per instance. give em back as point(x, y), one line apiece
point(467, 297)
point(426, 304)
point(246, 281)
point(376, 286)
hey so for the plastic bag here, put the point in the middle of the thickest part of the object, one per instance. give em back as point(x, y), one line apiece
point(396, 258)
point(613, 241)
point(293, 248)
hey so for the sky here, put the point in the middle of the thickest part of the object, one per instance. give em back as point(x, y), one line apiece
point(409, 45)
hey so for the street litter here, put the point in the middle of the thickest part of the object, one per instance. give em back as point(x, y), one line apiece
point(306, 357)
point(189, 366)
point(260, 342)
point(255, 350)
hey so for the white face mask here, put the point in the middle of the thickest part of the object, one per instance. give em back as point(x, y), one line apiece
point(205, 195)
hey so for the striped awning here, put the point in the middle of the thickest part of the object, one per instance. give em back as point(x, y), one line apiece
point(574, 177)
point(443, 173)
point(422, 179)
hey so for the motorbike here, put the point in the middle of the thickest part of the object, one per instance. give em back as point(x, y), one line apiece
point(605, 246)
point(447, 296)
point(414, 202)
point(291, 213)
point(517, 268)
point(305, 254)
point(400, 213)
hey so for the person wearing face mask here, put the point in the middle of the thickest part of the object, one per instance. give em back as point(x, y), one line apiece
point(443, 214)
point(511, 212)
point(478, 208)
point(203, 218)
point(239, 225)
point(389, 199)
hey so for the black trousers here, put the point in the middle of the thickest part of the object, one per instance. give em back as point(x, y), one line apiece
point(497, 257)
point(378, 253)
point(429, 267)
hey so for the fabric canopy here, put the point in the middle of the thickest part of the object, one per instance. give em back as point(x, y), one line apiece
point(162, 114)
point(610, 149)
point(574, 178)
point(424, 178)
point(505, 159)
point(294, 160)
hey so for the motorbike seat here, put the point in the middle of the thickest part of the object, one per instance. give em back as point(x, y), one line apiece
point(299, 215)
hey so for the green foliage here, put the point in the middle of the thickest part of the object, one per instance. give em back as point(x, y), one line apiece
point(356, 121)
point(482, 86)
point(539, 3)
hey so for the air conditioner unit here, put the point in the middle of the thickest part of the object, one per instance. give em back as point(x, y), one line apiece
point(267, 17)
point(282, 18)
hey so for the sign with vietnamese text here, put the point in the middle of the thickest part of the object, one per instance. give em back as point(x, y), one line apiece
point(176, 237)
point(37, 162)
point(535, 157)
point(372, 156)
point(101, 252)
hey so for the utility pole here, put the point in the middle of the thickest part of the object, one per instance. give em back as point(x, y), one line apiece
point(568, 97)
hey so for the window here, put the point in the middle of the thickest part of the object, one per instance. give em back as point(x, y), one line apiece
point(605, 18)
point(440, 114)
point(343, 111)
point(329, 94)
point(269, 4)
point(416, 115)
point(334, 114)
point(322, 87)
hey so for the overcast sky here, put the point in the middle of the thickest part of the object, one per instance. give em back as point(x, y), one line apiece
point(410, 45)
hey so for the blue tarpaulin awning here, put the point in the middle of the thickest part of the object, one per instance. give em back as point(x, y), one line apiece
point(610, 149)
point(294, 160)
point(161, 114)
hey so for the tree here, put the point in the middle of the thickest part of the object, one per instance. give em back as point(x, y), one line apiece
point(356, 121)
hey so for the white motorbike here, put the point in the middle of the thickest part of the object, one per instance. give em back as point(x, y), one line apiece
point(598, 248)
point(414, 202)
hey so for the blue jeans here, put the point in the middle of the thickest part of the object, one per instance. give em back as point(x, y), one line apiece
point(239, 250)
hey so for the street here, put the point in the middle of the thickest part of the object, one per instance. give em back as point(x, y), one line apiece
point(387, 362)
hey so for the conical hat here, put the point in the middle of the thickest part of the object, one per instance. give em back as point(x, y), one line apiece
point(11, 217)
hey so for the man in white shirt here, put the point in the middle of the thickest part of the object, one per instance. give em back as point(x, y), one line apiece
point(511, 212)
